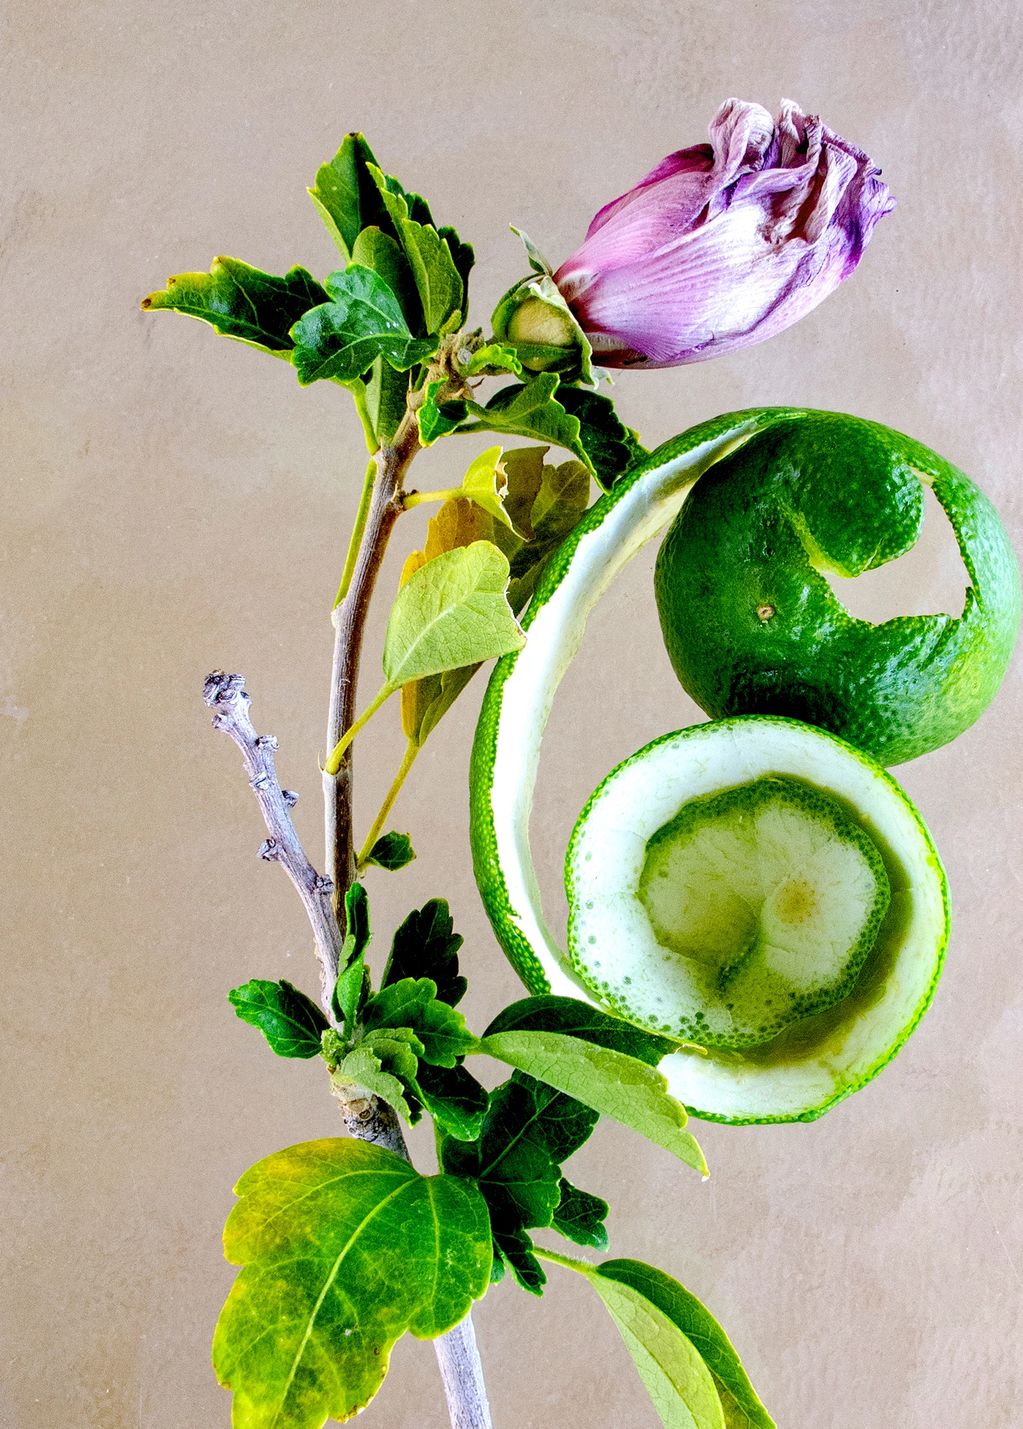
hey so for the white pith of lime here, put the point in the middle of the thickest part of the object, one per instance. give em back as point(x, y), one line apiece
point(722, 918)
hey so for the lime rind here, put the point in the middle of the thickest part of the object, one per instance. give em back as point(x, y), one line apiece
point(748, 910)
point(504, 769)
point(752, 625)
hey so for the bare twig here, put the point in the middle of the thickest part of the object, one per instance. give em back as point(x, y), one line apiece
point(226, 696)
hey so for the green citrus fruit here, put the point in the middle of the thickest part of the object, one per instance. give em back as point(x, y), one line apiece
point(752, 624)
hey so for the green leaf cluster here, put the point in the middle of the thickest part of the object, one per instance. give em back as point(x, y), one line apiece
point(525, 508)
point(392, 851)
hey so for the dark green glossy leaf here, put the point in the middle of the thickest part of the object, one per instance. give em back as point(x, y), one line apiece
point(454, 1098)
point(437, 277)
point(243, 302)
point(437, 418)
point(345, 1248)
point(392, 851)
point(291, 1022)
point(426, 945)
point(346, 195)
point(341, 339)
point(610, 446)
point(528, 1131)
point(580, 1216)
point(413, 1003)
point(383, 254)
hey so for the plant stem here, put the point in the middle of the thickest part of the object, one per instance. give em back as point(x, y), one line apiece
point(369, 1118)
point(384, 507)
point(408, 759)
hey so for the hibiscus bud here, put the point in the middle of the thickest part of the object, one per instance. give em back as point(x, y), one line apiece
point(723, 244)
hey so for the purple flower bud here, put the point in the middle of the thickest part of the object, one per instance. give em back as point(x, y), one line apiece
point(726, 243)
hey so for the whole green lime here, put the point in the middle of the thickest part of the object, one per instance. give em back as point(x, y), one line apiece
point(752, 625)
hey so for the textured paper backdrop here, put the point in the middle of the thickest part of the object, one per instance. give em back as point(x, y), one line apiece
point(175, 502)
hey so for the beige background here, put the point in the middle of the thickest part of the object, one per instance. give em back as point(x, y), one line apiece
point(176, 502)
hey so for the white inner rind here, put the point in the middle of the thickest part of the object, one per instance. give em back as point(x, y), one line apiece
point(652, 927)
point(723, 1085)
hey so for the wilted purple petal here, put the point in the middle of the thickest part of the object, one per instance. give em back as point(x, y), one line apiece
point(724, 244)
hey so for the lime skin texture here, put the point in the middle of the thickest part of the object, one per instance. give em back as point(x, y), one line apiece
point(752, 625)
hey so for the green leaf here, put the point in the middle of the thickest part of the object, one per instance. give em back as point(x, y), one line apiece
point(436, 418)
point(346, 195)
point(579, 1019)
point(454, 1098)
point(580, 1216)
point(560, 502)
point(380, 252)
point(680, 1386)
point(426, 945)
point(291, 1023)
point(242, 302)
point(439, 283)
point(345, 1248)
point(392, 851)
point(486, 483)
point(352, 986)
point(493, 358)
point(413, 1003)
point(612, 1083)
point(386, 395)
point(453, 611)
point(609, 447)
point(365, 1066)
point(341, 339)
point(528, 1130)
point(699, 1326)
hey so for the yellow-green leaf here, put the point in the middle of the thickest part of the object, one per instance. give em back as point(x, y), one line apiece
point(345, 1248)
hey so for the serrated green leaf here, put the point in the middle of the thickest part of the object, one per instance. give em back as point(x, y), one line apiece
point(346, 195)
point(392, 851)
point(491, 359)
point(352, 986)
point(345, 1248)
point(529, 1129)
point(380, 252)
point(242, 302)
point(453, 611)
point(610, 446)
point(438, 281)
point(341, 339)
point(364, 1066)
point(576, 1018)
point(426, 945)
point(437, 418)
point(291, 1022)
point(486, 483)
point(612, 1083)
point(701, 1329)
point(454, 1098)
point(386, 396)
point(413, 1003)
point(561, 500)
point(579, 1217)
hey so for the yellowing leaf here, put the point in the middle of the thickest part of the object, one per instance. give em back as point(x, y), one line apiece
point(345, 1247)
point(486, 483)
